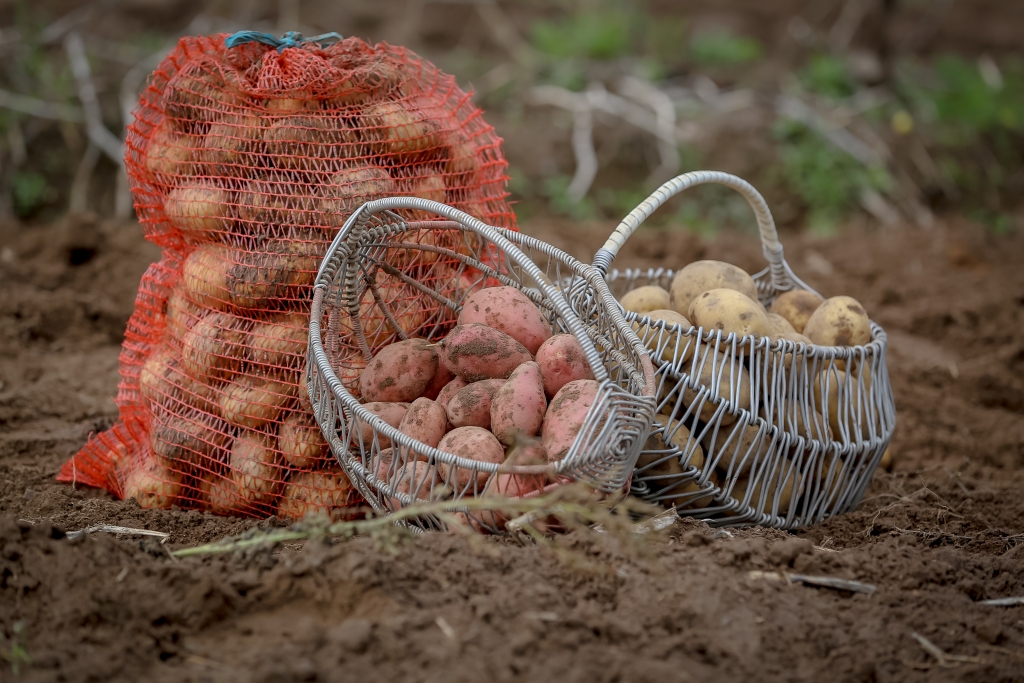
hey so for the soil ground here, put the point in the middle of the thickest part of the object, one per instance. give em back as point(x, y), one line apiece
point(940, 533)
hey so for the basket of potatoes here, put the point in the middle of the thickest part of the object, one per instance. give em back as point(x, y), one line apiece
point(452, 368)
point(774, 403)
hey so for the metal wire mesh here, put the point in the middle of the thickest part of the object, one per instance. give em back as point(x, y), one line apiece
point(446, 260)
point(754, 430)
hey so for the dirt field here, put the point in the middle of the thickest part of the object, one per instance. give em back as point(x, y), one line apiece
point(937, 535)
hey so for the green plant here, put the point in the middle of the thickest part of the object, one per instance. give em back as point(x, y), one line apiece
point(598, 34)
point(828, 180)
point(14, 653)
point(722, 48)
point(30, 191)
point(827, 75)
point(556, 190)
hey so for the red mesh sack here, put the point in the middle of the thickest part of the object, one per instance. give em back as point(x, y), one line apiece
point(244, 162)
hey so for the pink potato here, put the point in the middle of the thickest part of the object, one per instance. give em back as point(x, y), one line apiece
point(416, 479)
point(566, 415)
point(509, 310)
point(473, 443)
point(519, 405)
point(442, 378)
point(400, 372)
point(562, 361)
point(425, 421)
point(471, 406)
point(475, 352)
point(448, 392)
point(392, 413)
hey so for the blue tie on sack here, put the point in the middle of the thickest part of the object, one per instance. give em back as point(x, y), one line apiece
point(289, 39)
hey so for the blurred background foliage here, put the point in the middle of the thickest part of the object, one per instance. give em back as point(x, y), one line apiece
point(878, 111)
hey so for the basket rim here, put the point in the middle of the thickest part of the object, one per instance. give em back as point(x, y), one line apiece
point(316, 353)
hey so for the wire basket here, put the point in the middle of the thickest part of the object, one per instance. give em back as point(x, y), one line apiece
point(441, 262)
point(752, 430)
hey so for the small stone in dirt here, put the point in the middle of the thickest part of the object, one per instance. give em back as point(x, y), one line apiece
point(784, 552)
point(352, 634)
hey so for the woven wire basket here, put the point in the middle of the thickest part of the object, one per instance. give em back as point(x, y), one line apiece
point(443, 261)
point(752, 430)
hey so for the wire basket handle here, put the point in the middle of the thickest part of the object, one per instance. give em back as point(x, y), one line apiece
point(765, 222)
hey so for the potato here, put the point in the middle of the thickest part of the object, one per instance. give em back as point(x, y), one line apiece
point(269, 205)
point(809, 426)
point(796, 337)
point(887, 460)
point(214, 347)
point(169, 155)
point(408, 307)
point(302, 143)
point(350, 188)
point(220, 494)
point(319, 493)
point(735, 389)
point(204, 274)
point(252, 402)
point(231, 146)
point(199, 209)
point(300, 440)
point(392, 413)
point(442, 378)
point(425, 421)
point(565, 416)
point(669, 435)
point(416, 479)
point(842, 400)
point(509, 310)
point(185, 436)
point(399, 372)
point(561, 361)
point(519, 405)
point(729, 311)
point(840, 321)
point(777, 325)
point(475, 352)
point(702, 276)
point(645, 299)
point(182, 314)
point(255, 468)
point(450, 390)
point(471, 406)
point(682, 497)
point(162, 381)
point(674, 345)
point(472, 443)
point(401, 133)
point(796, 306)
point(774, 497)
point(737, 448)
point(289, 105)
point(260, 279)
point(152, 485)
point(280, 342)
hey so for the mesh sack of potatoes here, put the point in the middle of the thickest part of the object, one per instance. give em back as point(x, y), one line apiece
point(774, 406)
point(246, 156)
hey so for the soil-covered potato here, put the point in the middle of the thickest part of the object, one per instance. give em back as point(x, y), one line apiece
point(845, 400)
point(737, 448)
point(399, 372)
point(733, 386)
point(425, 421)
point(350, 188)
point(300, 440)
point(273, 204)
point(169, 156)
point(702, 276)
point(773, 497)
point(729, 311)
point(407, 306)
point(214, 347)
point(674, 346)
point(199, 93)
point(657, 461)
point(402, 134)
point(561, 361)
point(840, 321)
point(471, 406)
point(315, 493)
point(519, 405)
point(184, 437)
point(152, 485)
point(280, 342)
point(200, 209)
point(565, 416)
point(416, 479)
point(475, 352)
point(255, 469)
point(509, 310)
point(442, 378)
point(392, 413)
point(252, 402)
point(449, 391)
point(163, 382)
point(204, 274)
point(276, 275)
point(232, 145)
point(182, 313)
point(777, 325)
point(472, 443)
point(796, 306)
point(645, 299)
point(307, 143)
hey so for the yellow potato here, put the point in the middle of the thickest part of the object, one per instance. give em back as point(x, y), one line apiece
point(683, 499)
point(784, 487)
point(846, 397)
point(729, 311)
point(701, 276)
point(251, 403)
point(887, 460)
point(646, 299)
point(796, 306)
point(735, 389)
point(152, 485)
point(214, 347)
point(809, 426)
point(787, 360)
point(205, 276)
point(777, 326)
point(738, 448)
point(656, 449)
point(840, 321)
point(668, 344)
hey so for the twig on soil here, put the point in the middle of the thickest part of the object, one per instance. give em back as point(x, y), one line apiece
point(945, 660)
point(816, 581)
point(111, 529)
point(1004, 602)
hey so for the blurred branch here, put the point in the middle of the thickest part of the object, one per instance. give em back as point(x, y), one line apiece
point(38, 108)
point(76, 17)
point(79, 195)
point(850, 17)
point(582, 133)
point(98, 133)
point(798, 110)
point(664, 119)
